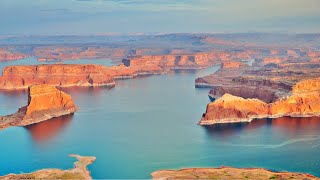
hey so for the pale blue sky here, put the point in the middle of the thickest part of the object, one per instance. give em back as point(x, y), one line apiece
point(129, 16)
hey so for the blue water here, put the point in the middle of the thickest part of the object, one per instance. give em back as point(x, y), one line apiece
point(150, 123)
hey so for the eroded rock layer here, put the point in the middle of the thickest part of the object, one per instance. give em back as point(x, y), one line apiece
point(303, 102)
point(44, 102)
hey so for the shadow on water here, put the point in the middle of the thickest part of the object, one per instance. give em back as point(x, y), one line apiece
point(47, 130)
point(14, 93)
point(288, 125)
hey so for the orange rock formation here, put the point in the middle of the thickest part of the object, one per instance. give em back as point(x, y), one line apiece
point(44, 102)
point(304, 102)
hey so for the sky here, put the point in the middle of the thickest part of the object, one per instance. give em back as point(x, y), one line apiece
point(58, 17)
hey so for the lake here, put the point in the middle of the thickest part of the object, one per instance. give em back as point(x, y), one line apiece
point(150, 123)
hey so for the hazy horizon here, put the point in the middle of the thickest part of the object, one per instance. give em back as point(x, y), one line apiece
point(85, 17)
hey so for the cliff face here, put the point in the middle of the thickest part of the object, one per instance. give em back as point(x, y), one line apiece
point(44, 102)
point(304, 102)
point(307, 85)
point(64, 75)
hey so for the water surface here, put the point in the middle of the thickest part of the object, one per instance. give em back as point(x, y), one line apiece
point(150, 123)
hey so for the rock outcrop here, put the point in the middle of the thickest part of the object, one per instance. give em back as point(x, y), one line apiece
point(79, 171)
point(66, 75)
point(6, 55)
point(304, 102)
point(44, 102)
point(228, 173)
point(230, 109)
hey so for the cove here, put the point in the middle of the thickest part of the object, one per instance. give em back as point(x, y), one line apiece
point(150, 123)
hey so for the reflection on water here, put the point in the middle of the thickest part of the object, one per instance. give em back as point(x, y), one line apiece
point(288, 125)
point(46, 130)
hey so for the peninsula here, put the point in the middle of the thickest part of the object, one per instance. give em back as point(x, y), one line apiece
point(79, 171)
point(228, 173)
point(44, 102)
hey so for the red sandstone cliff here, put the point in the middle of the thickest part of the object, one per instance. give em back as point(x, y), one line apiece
point(44, 102)
point(304, 102)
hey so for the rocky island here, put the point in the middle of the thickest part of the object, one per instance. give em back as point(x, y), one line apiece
point(228, 173)
point(79, 171)
point(44, 102)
